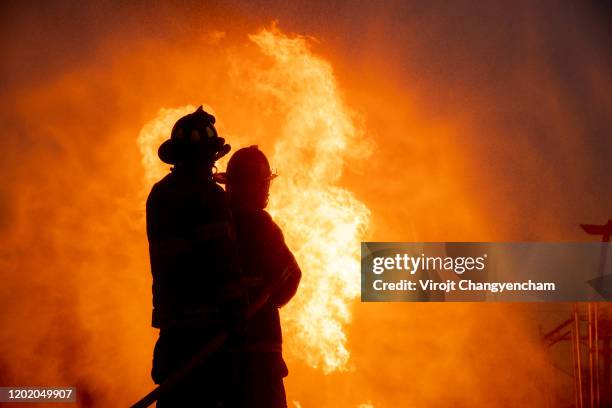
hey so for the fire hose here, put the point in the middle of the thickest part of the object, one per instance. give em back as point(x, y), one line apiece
point(209, 348)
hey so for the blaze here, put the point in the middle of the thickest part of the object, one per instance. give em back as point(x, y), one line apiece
point(322, 221)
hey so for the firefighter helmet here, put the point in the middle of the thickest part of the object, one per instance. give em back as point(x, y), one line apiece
point(192, 135)
point(248, 166)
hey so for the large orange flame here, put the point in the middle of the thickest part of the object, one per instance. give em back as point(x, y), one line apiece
point(323, 222)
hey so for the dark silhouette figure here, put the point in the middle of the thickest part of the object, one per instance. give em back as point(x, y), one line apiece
point(197, 290)
point(268, 266)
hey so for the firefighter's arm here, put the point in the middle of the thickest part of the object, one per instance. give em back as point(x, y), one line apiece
point(288, 283)
point(287, 274)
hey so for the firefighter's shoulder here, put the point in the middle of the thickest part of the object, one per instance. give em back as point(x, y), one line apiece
point(271, 228)
point(159, 192)
point(169, 185)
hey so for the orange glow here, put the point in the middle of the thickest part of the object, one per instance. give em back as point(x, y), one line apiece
point(370, 143)
point(323, 223)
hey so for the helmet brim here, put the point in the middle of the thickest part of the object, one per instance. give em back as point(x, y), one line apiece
point(167, 152)
point(222, 178)
point(170, 153)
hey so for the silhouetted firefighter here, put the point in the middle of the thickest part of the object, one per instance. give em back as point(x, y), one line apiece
point(269, 267)
point(197, 291)
point(215, 348)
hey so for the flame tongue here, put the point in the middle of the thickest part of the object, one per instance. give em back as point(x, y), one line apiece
point(323, 223)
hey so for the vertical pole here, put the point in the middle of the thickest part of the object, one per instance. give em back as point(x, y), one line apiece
point(590, 344)
point(578, 357)
point(575, 367)
point(597, 395)
point(543, 346)
point(606, 365)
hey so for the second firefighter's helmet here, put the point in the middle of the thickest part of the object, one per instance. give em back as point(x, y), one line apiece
point(247, 166)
